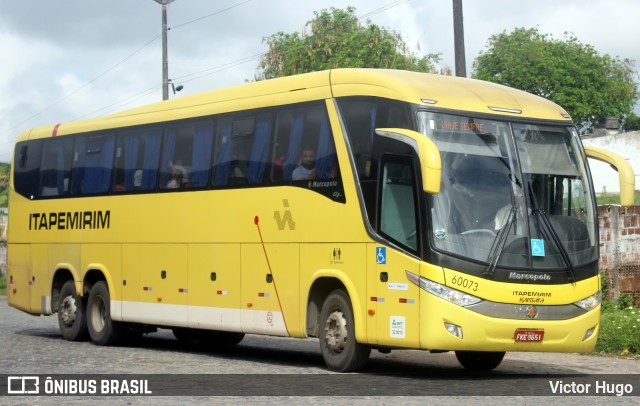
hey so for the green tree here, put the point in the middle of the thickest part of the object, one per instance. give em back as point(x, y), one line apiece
point(5, 170)
point(338, 40)
point(588, 85)
point(632, 122)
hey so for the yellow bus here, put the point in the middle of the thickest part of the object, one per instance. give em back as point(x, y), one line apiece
point(368, 208)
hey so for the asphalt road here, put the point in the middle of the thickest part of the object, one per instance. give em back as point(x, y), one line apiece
point(283, 370)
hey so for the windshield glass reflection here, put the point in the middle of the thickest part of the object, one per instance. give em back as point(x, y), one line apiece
point(496, 185)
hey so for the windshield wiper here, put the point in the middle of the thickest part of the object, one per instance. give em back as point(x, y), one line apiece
point(500, 241)
point(551, 232)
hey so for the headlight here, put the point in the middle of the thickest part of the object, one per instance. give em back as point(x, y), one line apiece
point(444, 292)
point(590, 302)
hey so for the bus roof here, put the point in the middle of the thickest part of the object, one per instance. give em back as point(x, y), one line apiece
point(439, 91)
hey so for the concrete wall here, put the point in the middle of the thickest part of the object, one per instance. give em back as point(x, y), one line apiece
point(620, 249)
point(605, 179)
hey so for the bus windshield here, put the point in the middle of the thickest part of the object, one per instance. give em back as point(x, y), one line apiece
point(512, 195)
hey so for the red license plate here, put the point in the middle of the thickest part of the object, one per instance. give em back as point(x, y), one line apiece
point(529, 336)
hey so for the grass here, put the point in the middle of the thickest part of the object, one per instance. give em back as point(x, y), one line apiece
point(3, 284)
point(615, 199)
point(619, 332)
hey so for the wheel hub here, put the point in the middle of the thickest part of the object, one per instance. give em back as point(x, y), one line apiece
point(98, 315)
point(336, 331)
point(68, 311)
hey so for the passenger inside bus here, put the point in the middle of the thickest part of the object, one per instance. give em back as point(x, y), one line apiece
point(178, 177)
point(307, 167)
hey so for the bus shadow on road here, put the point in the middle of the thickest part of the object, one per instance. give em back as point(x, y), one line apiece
point(305, 353)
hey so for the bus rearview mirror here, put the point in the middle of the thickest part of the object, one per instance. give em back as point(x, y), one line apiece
point(625, 172)
point(427, 151)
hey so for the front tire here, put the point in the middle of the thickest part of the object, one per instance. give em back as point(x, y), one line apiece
point(102, 329)
point(479, 360)
point(72, 318)
point(340, 350)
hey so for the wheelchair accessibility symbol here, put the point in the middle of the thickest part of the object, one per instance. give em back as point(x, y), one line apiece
point(381, 255)
point(537, 248)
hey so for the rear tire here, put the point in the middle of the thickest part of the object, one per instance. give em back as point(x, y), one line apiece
point(340, 350)
point(72, 318)
point(102, 329)
point(479, 360)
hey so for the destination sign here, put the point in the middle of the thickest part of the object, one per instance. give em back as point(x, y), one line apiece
point(461, 125)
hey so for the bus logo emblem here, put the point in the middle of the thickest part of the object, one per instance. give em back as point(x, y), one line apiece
point(531, 312)
point(286, 219)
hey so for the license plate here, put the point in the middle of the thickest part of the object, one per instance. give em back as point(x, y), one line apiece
point(530, 336)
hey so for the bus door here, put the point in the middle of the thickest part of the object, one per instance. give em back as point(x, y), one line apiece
point(397, 300)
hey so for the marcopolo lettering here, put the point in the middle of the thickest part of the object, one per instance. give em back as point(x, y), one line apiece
point(70, 220)
point(529, 276)
point(320, 184)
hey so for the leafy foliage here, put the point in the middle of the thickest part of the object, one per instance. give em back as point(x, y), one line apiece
point(338, 40)
point(619, 331)
point(588, 85)
point(5, 170)
point(632, 122)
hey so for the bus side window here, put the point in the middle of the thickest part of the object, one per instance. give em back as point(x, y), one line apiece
point(259, 158)
point(242, 150)
point(223, 152)
point(187, 155)
point(92, 164)
point(137, 160)
point(397, 207)
point(304, 131)
point(26, 176)
point(55, 168)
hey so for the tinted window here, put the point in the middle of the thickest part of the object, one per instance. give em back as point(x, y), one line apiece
point(186, 156)
point(361, 117)
point(137, 159)
point(304, 147)
point(27, 161)
point(92, 164)
point(55, 168)
point(242, 150)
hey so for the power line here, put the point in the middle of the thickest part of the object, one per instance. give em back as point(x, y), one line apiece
point(81, 87)
point(210, 15)
point(184, 78)
point(113, 67)
point(122, 102)
point(217, 68)
point(383, 8)
point(256, 56)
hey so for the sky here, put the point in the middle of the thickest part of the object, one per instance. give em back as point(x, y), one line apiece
point(66, 60)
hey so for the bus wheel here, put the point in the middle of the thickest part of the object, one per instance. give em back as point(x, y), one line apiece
point(338, 345)
point(479, 360)
point(71, 314)
point(102, 329)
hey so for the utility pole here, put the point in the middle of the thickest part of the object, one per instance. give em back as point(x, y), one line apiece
point(458, 39)
point(165, 59)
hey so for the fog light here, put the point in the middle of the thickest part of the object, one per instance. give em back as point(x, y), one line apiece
point(588, 333)
point(453, 329)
